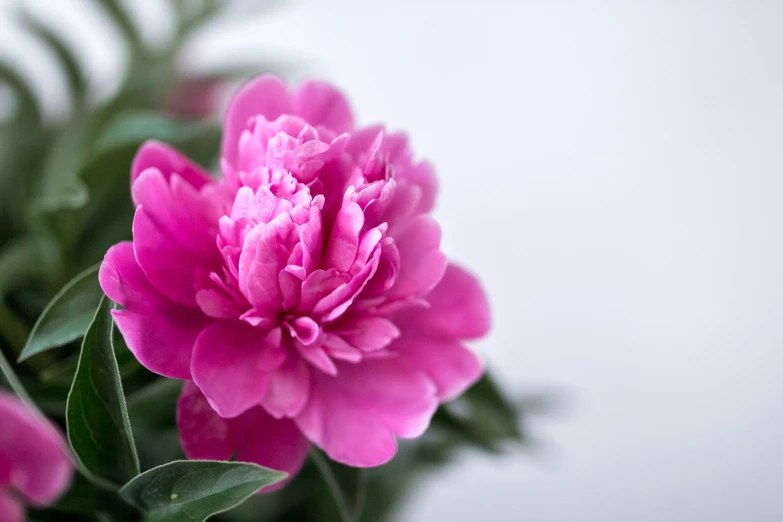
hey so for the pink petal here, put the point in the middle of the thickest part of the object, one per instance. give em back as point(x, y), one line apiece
point(265, 95)
point(168, 161)
point(288, 389)
point(273, 443)
point(188, 217)
point(452, 367)
point(122, 279)
point(422, 263)
point(162, 342)
point(322, 104)
point(263, 257)
point(168, 266)
point(11, 510)
point(344, 241)
point(368, 333)
point(356, 415)
point(33, 453)
point(203, 433)
point(458, 308)
point(231, 365)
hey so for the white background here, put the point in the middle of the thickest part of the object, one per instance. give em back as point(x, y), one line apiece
point(614, 171)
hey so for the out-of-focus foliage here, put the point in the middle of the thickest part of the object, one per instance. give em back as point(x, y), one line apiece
point(64, 199)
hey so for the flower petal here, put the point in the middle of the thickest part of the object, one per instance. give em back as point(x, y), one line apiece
point(274, 443)
point(458, 308)
point(422, 263)
point(267, 96)
point(168, 266)
point(162, 342)
point(168, 161)
point(34, 452)
point(288, 388)
point(123, 280)
point(356, 415)
point(11, 510)
point(203, 433)
point(231, 365)
point(323, 104)
point(452, 367)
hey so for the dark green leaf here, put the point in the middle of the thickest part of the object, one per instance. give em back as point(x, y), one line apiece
point(192, 490)
point(99, 430)
point(67, 316)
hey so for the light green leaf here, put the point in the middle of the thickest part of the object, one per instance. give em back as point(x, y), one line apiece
point(96, 415)
point(67, 315)
point(194, 490)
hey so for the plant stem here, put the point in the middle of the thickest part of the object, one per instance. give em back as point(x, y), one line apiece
point(331, 481)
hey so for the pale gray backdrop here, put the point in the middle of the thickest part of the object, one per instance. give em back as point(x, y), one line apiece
point(614, 171)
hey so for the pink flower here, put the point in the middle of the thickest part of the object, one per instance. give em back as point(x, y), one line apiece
point(34, 464)
point(305, 294)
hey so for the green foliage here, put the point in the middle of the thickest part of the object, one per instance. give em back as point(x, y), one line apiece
point(193, 490)
point(99, 429)
point(67, 316)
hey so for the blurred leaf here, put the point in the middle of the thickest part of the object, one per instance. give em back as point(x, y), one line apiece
point(27, 108)
point(482, 417)
point(77, 83)
point(82, 498)
point(13, 381)
point(67, 316)
point(192, 490)
point(99, 430)
point(135, 129)
point(122, 19)
point(18, 262)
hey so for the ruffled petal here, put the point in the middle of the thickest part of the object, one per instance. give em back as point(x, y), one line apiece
point(356, 415)
point(163, 343)
point(458, 308)
point(231, 365)
point(154, 154)
point(203, 433)
point(323, 104)
point(34, 451)
point(267, 96)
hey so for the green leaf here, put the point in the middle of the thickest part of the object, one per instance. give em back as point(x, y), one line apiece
point(194, 490)
point(67, 316)
point(96, 415)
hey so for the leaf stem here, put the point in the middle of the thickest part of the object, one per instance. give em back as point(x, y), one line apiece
point(331, 481)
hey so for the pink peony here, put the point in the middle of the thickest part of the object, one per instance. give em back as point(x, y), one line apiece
point(34, 464)
point(305, 294)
